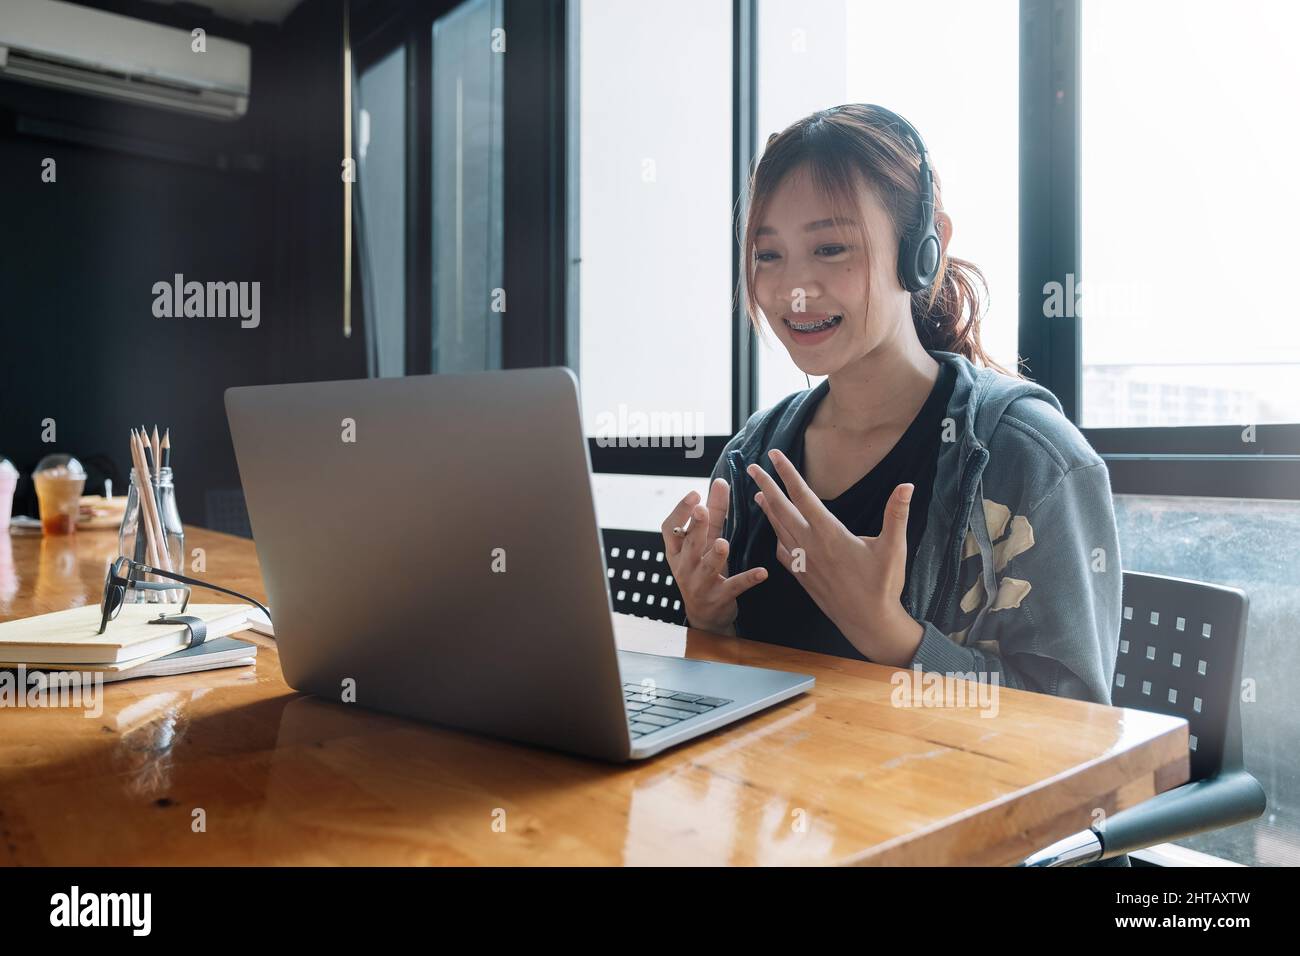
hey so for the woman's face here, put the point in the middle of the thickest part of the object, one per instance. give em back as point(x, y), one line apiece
point(810, 277)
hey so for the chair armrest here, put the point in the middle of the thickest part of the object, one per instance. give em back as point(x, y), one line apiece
point(1210, 804)
point(1192, 808)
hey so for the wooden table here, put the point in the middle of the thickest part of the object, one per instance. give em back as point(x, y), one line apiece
point(840, 775)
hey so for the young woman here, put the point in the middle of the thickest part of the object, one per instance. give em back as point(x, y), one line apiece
point(922, 507)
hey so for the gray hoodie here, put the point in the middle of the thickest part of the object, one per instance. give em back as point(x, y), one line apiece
point(1029, 584)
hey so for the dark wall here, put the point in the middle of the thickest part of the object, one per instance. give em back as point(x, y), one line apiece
point(141, 195)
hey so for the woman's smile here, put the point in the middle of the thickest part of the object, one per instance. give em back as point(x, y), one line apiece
point(812, 328)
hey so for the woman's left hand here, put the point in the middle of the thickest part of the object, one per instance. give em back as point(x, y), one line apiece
point(856, 580)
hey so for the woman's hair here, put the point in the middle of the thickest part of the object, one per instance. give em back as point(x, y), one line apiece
point(841, 148)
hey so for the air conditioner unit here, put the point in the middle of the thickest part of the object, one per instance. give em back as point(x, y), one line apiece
point(104, 54)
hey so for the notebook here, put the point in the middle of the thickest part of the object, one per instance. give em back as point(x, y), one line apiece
point(69, 637)
point(210, 655)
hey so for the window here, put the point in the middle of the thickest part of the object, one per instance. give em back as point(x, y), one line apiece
point(429, 139)
point(381, 174)
point(961, 95)
point(467, 156)
point(1188, 204)
point(655, 226)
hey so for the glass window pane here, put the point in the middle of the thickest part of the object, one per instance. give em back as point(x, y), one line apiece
point(467, 157)
point(381, 174)
point(914, 59)
point(1253, 545)
point(655, 226)
point(1189, 204)
point(639, 502)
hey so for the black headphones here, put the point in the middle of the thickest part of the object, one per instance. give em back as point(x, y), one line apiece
point(920, 251)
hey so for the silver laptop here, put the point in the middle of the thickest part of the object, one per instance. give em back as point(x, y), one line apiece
point(429, 547)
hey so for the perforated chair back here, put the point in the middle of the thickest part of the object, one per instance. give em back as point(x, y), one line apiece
point(226, 511)
point(640, 581)
point(1180, 652)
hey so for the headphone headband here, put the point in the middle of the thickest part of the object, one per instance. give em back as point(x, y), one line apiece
point(908, 129)
point(919, 251)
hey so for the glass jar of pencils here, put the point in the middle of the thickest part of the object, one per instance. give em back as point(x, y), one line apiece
point(152, 533)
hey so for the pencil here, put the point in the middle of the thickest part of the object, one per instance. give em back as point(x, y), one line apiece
point(164, 556)
point(152, 508)
point(146, 498)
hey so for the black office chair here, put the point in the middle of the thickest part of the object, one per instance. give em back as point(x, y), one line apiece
point(1180, 650)
point(640, 581)
point(226, 511)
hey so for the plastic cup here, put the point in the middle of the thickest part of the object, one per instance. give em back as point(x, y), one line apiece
point(59, 480)
point(8, 482)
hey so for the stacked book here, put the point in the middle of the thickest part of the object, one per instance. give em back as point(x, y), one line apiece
point(131, 646)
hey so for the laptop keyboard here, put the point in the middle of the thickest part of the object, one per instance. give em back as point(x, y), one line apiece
point(652, 710)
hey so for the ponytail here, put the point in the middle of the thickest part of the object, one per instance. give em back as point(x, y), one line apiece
point(947, 315)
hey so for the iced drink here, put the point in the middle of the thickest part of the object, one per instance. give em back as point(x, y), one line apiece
point(59, 481)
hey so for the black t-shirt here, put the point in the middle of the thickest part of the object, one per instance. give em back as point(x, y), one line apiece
point(780, 611)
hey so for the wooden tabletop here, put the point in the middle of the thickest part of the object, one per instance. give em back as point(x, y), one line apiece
point(234, 767)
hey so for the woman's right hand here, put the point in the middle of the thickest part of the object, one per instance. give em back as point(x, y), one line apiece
point(699, 560)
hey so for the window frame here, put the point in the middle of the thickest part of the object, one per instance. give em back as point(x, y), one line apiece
point(533, 191)
point(378, 27)
point(666, 460)
point(1201, 461)
point(1181, 461)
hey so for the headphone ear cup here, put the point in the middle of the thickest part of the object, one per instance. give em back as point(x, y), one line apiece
point(907, 264)
point(918, 260)
point(928, 255)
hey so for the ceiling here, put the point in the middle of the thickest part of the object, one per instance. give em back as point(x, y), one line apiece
point(246, 11)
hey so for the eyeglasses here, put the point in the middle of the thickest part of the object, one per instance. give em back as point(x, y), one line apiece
point(124, 573)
